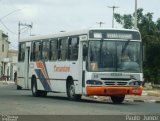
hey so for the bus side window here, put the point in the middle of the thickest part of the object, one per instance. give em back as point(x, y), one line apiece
point(54, 49)
point(45, 50)
point(59, 48)
point(69, 48)
point(73, 48)
point(64, 48)
point(37, 51)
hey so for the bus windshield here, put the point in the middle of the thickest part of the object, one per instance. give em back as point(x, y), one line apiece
point(114, 56)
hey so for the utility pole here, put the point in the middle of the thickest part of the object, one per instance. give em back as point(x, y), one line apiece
point(135, 16)
point(19, 31)
point(113, 7)
point(100, 23)
point(19, 28)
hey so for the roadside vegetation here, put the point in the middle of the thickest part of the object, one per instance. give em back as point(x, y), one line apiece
point(150, 32)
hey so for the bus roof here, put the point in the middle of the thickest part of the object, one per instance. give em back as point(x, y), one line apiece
point(71, 33)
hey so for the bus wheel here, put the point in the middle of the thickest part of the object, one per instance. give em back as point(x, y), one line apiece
point(71, 92)
point(19, 87)
point(34, 89)
point(35, 92)
point(42, 93)
point(117, 99)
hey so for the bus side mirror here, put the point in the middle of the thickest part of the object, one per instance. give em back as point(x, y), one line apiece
point(85, 52)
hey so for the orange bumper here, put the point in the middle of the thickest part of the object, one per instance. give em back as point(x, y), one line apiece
point(104, 90)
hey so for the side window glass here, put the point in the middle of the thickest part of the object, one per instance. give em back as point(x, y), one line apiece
point(73, 48)
point(69, 48)
point(45, 50)
point(64, 48)
point(59, 49)
point(37, 50)
point(53, 49)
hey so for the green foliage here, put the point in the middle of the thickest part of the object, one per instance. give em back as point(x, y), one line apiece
point(150, 32)
point(125, 20)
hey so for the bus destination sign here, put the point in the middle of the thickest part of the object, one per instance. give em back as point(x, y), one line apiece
point(114, 34)
point(119, 36)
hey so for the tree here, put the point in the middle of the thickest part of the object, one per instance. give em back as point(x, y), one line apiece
point(125, 20)
point(150, 32)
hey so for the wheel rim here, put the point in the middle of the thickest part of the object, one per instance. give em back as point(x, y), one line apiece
point(72, 91)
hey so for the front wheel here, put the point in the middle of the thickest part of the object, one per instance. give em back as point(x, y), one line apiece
point(71, 92)
point(117, 99)
point(35, 92)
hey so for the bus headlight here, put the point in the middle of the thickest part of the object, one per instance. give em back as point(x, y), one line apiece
point(94, 82)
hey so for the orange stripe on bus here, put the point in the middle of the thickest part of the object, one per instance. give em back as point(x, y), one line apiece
point(40, 65)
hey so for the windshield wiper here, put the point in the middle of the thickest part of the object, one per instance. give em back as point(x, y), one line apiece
point(125, 46)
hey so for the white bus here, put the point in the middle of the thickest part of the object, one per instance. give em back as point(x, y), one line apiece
point(103, 62)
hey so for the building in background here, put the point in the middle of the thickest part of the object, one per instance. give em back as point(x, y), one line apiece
point(13, 57)
point(8, 58)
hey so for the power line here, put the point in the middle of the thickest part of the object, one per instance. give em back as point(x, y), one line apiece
point(5, 17)
point(10, 13)
point(25, 30)
point(7, 28)
point(23, 24)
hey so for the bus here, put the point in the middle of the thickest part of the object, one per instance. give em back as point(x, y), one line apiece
point(102, 62)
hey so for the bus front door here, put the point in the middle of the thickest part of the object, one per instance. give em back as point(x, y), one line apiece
point(26, 70)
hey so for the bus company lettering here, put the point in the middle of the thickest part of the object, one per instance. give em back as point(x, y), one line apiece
point(61, 69)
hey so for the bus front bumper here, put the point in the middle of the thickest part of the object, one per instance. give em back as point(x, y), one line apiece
point(113, 90)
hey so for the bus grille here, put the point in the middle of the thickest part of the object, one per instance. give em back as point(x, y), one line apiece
point(115, 83)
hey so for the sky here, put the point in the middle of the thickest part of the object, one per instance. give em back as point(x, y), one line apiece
point(53, 16)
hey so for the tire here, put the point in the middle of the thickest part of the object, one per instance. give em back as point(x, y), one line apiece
point(117, 99)
point(34, 88)
point(71, 92)
point(19, 87)
point(35, 91)
point(42, 93)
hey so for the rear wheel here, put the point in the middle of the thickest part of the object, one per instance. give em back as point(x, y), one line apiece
point(117, 99)
point(71, 92)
